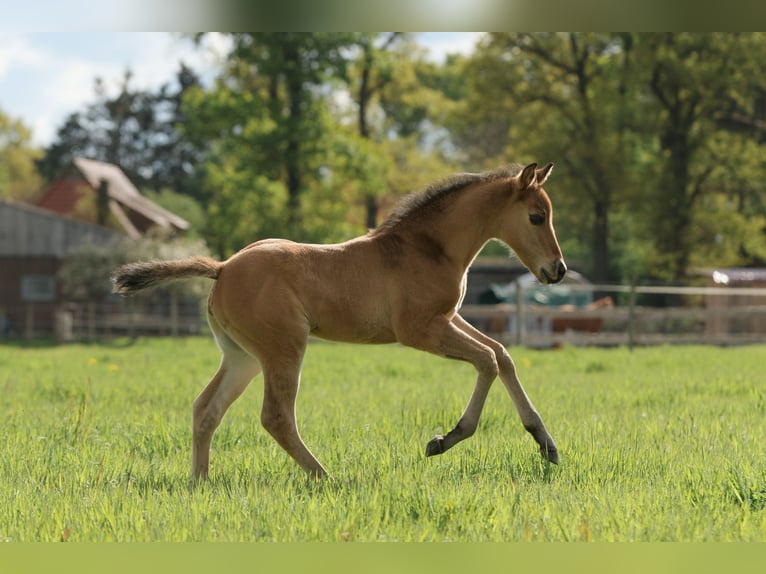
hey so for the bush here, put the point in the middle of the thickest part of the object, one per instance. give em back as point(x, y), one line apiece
point(85, 273)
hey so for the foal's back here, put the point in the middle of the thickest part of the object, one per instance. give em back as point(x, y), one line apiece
point(338, 291)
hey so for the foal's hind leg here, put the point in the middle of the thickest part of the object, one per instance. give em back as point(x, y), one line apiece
point(278, 415)
point(235, 373)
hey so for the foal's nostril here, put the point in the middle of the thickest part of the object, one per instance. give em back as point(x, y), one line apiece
point(556, 273)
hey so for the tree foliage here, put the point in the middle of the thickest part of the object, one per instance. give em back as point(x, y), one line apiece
point(137, 130)
point(303, 144)
point(270, 131)
point(648, 131)
point(19, 179)
point(84, 273)
point(563, 98)
point(657, 138)
point(700, 82)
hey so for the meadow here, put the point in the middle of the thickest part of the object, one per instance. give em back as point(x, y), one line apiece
point(658, 444)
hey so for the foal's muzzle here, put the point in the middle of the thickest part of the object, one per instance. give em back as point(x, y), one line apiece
point(559, 269)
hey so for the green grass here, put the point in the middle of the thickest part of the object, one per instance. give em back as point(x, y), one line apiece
point(656, 445)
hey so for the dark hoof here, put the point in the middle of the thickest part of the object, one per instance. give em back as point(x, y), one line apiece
point(550, 455)
point(436, 446)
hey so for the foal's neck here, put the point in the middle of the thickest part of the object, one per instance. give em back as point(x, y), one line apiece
point(467, 224)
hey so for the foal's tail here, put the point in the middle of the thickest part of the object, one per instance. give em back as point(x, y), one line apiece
point(134, 277)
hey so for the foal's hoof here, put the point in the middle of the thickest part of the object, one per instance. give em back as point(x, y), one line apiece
point(436, 446)
point(550, 455)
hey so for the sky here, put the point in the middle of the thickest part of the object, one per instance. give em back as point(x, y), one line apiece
point(45, 76)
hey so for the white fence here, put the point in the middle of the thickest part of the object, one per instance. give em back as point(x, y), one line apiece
point(704, 315)
point(709, 315)
point(92, 322)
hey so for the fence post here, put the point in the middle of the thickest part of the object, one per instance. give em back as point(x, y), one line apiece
point(632, 316)
point(91, 307)
point(519, 314)
point(131, 310)
point(29, 321)
point(174, 313)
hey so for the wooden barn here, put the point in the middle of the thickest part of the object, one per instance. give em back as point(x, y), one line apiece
point(32, 244)
point(91, 200)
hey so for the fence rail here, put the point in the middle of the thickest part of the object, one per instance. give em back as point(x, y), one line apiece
point(97, 322)
point(707, 315)
point(718, 315)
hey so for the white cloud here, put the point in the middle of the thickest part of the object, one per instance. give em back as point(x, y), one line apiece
point(43, 78)
point(440, 44)
point(15, 51)
point(37, 84)
point(68, 87)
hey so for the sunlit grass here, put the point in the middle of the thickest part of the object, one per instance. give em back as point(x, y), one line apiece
point(658, 444)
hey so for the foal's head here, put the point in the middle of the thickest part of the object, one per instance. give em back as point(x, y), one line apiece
point(528, 227)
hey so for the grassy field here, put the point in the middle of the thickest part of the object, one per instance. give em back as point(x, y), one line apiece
point(661, 444)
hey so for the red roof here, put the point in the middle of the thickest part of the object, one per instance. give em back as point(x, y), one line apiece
point(62, 195)
point(134, 212)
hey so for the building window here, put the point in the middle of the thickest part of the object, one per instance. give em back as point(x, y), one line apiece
point(38, 288)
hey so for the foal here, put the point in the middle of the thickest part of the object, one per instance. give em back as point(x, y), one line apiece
point(402, 282)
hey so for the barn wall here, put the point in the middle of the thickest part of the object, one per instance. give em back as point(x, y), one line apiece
point(32, 244)
point(31, 317)
point(26, 231)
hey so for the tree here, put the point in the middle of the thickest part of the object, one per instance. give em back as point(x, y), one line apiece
point(700, 84)
point(374, 72)
point(18, 176)
point(136, 130)
point(175, 159)
point(290, 71)
point(562, 96)
point(401, 100)
point(84, 273)
point(273, 138)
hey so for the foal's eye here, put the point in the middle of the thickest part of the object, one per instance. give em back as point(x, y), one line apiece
point(536, 219)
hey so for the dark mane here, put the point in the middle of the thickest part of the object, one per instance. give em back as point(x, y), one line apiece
point(431, 198)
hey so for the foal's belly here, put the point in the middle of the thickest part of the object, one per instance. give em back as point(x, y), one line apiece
point(380, 336)
point(350, 321)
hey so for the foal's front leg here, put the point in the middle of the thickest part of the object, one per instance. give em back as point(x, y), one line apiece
point(530, 418)
point(444, 338)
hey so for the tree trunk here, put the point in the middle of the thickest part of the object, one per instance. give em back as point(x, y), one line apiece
point(294, 185)
point(365, 94)
point(293, 149)
point(601, 242)
point(674, 216)
point(102, 202)
point(371, 202)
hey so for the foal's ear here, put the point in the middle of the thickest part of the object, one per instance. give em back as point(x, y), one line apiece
point(528, 175)
point(542, 174)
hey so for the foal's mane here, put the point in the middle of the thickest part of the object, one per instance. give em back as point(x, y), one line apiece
point(432, 198)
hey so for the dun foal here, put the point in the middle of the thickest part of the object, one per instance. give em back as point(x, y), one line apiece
point(402, 282)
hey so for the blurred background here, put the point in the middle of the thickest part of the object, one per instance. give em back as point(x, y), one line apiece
point(122, 145)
